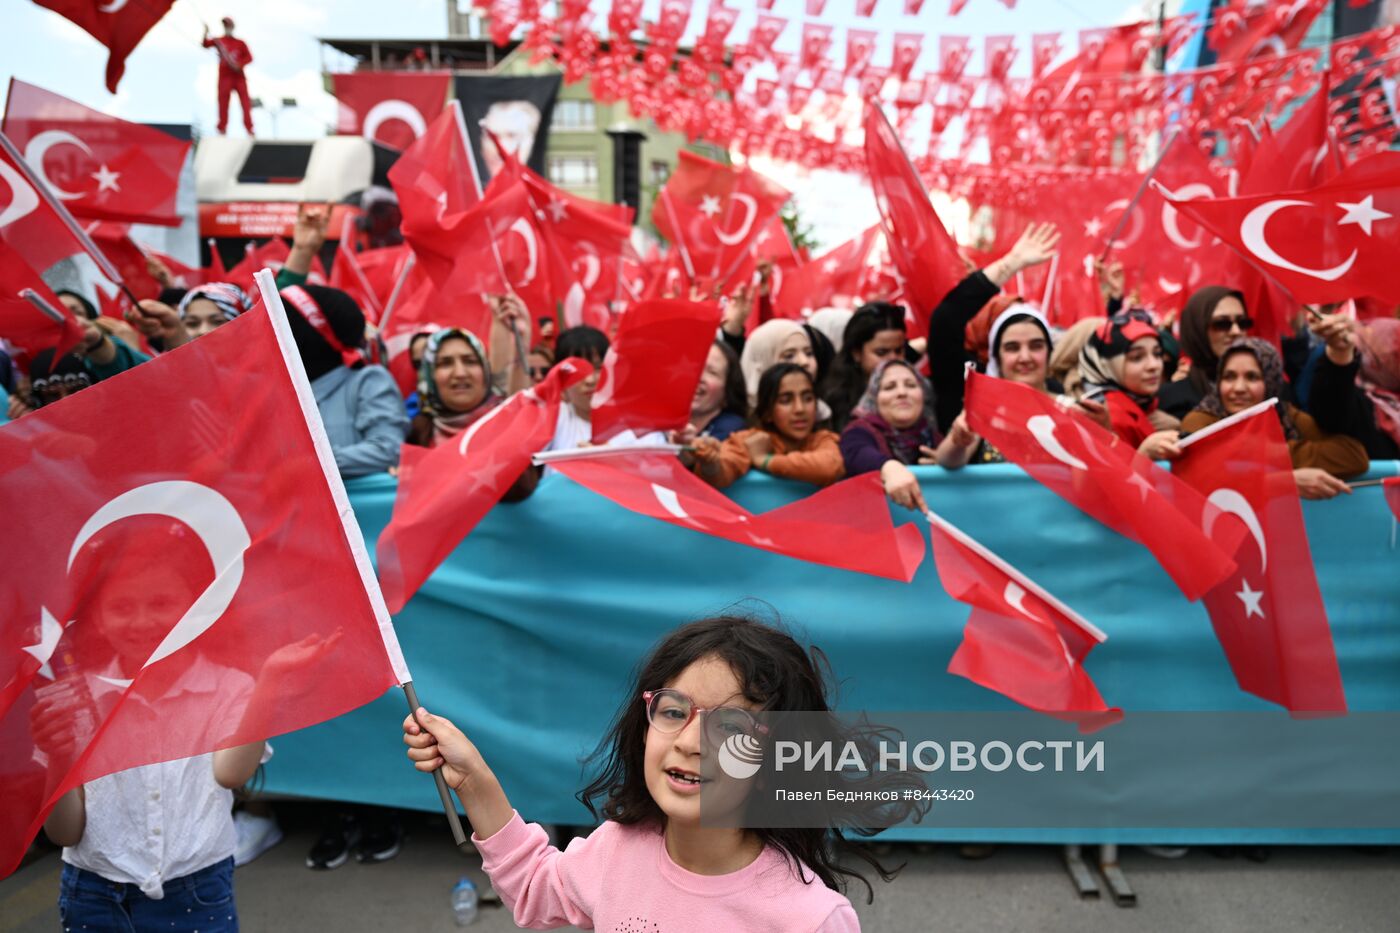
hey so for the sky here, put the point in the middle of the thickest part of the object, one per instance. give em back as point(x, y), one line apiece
point(171, 79)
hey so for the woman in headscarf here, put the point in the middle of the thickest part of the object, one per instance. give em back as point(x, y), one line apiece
point(1064, 359)
point(875, 333)
point(778, 341)
point(360, 405)
point(832, 323)
point(1251, 371)
point(211, 305)
point(1212, 318)
point(893, 428)
point(1356, 387)
point(1122, 366)
point(454, 387)
point(947, 328)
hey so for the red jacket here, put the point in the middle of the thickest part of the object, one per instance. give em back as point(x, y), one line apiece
point(233, 54)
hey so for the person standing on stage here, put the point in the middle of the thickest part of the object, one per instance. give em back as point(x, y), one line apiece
point(233, 58)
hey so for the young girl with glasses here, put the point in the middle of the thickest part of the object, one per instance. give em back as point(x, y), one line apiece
point(652, 864)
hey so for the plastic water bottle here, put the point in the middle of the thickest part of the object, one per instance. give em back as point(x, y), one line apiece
point(464, 902)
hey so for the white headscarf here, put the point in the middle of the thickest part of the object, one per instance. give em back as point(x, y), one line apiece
point(831, 322)
point(1017, 309)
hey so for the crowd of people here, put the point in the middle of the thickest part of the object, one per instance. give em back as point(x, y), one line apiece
point(837, 394)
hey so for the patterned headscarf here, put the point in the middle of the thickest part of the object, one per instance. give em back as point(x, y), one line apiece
point(1101, 360)
point(446, 421)
point(901, 444)
point(1270, 364)
point(1379, 344)
point(229, 298)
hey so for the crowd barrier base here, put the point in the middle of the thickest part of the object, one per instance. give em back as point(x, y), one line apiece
point(529, 633)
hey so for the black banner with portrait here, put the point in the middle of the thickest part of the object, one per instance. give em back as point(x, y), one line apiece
point(518, 110)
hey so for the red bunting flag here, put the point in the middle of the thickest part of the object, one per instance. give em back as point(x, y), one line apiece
point(1019, 640)
point(1327, 244)
point(652, 368)
point(923, 252)
point(711, 213)
point(847, 525)
point(444, 492)
point(1106, 479)
point(221, 515)
point(1269, 615)
point(119, 26)
point(101, 168)
point(393, 108)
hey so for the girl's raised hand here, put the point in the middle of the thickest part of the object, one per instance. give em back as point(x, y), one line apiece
point(437, 743)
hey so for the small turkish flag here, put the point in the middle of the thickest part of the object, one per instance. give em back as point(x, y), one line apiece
point(1105, 478)
point(711, 213)
point(101, 168)
point(1391, 488)
point(1327, 244)
point(30, 222)
point(1019, 640)
point(193, 578)
point(653, 366)
point(1269, 615)
point(118, 24)
point(389, 107)
point(836, 272)
point(923, 252)
point(846, 525)
point(444, 492)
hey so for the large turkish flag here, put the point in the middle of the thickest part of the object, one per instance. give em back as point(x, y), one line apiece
point(190, 578)
point(389, 107)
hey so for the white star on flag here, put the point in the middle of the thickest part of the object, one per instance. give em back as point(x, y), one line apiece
point(558, 210)
point(1093, 227)
point(50, 631)
point(830, 266)
point(1251, 599)
point(709, 206)
point(1362, 214)
point(106, 179)
point(1142, 484)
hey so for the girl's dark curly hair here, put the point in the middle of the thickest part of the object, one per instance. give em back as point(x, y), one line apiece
point(776, 674)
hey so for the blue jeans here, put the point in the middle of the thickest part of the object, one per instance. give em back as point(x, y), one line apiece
point(201, 900)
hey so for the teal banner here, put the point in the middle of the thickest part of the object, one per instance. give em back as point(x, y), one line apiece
point(527, 636)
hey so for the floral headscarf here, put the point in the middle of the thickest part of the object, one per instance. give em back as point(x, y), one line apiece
point(901, 444)
point(446, 421)
point(1101, 360)
point(227, 297)
point(1270, 364)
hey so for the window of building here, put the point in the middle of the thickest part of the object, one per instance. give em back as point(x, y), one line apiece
point(575, 171)
point(574, 115)
point(660, 171)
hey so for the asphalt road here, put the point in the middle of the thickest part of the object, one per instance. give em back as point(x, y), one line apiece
point(1019, 888)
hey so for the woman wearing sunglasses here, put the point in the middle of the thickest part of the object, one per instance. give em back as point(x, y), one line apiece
point(1214, 317)
point(709, 688)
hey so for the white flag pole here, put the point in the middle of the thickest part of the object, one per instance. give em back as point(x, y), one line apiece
point(277, 314)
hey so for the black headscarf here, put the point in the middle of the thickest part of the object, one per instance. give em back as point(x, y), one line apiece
point(347, 322)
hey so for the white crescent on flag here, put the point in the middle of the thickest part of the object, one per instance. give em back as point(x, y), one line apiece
point(522, 227)
point(39, 147)
point(1252, 233)
point(1228, 500)
point(214, 521)
point(1042, 428)
point(114, 7)
point(23, 198)
point(737, 236)
point(1170, 216)
point(392, 109)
